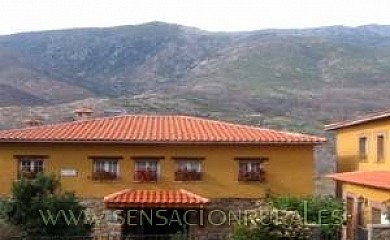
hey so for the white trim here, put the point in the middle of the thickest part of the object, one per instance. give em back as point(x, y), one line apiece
point(148, 161)
point(106, 165)
point(189, 164)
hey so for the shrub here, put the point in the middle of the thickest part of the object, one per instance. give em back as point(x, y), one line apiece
point(288, 218)
point(31, 197)
point(324, 211)
point(267, 223)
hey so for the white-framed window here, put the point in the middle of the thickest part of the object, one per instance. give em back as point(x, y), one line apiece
point(363, 148)
point(147, 170)
point(384, 218)
point(189, 165)
point(105, 169)
point(379, 216)
point(29, 167)
point(250, 170)
point(188, 170)
point(380, 147)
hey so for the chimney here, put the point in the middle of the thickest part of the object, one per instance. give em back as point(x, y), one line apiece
point(83, 113)
point(33, 122)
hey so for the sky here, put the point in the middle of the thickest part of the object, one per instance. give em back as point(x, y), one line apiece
point(214, 15)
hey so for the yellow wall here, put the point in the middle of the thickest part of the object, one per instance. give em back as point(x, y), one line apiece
point(347, 146)
point(288, 171)
point(347, 149)
point(373, 195)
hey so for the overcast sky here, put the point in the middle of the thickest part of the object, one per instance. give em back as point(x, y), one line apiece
point(218, 15)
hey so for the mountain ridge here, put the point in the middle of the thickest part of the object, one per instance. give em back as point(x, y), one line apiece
point(294, 79)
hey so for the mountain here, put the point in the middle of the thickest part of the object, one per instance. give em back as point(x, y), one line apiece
point(292, 79)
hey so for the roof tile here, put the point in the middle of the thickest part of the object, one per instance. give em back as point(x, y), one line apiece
point(375, 179)
point(154, 198)
point(153, 129)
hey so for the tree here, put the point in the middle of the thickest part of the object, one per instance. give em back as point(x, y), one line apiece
point(34, 200)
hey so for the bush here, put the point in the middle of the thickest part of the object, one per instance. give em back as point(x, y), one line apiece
point(324, 211)
point(288, 218)
point(267, 223)
point(32, 197)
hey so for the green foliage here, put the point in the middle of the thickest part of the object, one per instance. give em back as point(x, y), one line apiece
point(325, 211)
point(270, 224)
point(288, 217)
point(29, 197)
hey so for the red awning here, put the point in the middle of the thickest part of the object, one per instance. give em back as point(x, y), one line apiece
point(154, 198)
point(374, 179)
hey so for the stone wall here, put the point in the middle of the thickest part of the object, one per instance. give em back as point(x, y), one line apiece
point(103, 226)
point(220, 216)
point(379, 232)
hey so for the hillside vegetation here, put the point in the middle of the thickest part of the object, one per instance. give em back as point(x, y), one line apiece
point(292, 79)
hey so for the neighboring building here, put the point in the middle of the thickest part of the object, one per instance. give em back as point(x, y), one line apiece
point(363, 178)
point(155, 162)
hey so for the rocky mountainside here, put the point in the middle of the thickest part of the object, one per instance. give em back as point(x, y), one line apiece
point(293, 79)
point(287, 79)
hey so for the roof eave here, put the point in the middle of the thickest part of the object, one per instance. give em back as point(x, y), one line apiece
point(338, 179)
point(351, 123)
point(321, 141)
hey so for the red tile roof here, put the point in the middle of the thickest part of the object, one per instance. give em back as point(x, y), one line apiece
point(357, 121)
point(154, 129)
point(375, 179)
point(154, 198)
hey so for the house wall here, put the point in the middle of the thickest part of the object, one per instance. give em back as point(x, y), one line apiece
point(288, 171)
point(347, 146)
point(373, 198)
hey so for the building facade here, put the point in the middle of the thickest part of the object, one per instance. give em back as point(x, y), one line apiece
point(363, 178)
point(161, 162)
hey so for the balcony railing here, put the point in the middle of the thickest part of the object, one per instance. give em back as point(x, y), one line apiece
point(29, 174)
point(257, 176)
point(185, 175)
point(146, 176)
point(101, 175)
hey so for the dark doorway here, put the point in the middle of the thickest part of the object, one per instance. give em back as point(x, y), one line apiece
point(350, 219)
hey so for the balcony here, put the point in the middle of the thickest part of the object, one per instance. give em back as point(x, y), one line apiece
point(251, 176)
point(185, 175)
point(29, 174)
point(145, 176)
point(101, 175)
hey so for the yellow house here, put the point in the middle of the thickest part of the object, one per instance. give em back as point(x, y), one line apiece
point(155, 162)
point(363, 178)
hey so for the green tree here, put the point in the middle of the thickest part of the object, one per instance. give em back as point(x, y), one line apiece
point(31, 199)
